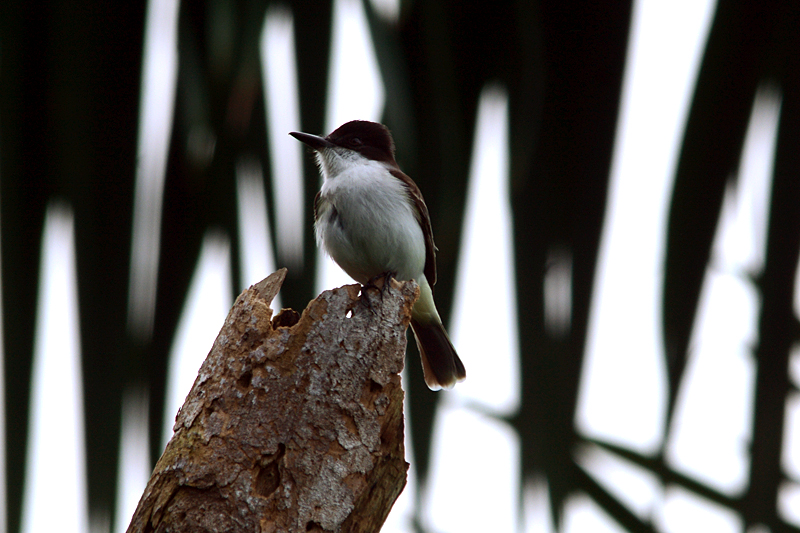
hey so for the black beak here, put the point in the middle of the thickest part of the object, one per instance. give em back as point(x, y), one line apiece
point(314, 141)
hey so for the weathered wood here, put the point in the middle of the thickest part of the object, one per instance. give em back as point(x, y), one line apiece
point(293, 423)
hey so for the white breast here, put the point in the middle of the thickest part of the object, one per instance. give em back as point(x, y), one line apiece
point(367, 223)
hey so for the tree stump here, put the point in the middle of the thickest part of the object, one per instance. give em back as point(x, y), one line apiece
point(294, 423)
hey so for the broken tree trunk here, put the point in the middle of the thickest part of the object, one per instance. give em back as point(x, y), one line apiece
point(294, 423)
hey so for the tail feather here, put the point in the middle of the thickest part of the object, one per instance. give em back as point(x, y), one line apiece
point(441, 365)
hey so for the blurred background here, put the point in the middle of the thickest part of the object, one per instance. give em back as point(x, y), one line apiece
point(615, 195)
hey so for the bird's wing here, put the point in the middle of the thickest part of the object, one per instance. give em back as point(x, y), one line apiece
point(421, 214)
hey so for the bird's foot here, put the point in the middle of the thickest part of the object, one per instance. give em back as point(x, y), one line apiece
point(386, 278)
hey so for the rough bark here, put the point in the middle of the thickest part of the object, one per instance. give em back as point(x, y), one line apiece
point(294, 423)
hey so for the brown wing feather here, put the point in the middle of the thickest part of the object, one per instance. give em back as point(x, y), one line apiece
point(421, 212)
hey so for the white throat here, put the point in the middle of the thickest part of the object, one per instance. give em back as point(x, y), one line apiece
point(335, 161)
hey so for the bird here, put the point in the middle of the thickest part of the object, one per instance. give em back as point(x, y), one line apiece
point(371, 219)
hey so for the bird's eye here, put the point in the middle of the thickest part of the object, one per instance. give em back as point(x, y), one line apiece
point(356, 141)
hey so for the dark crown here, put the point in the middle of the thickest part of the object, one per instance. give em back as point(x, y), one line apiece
point(370, 139)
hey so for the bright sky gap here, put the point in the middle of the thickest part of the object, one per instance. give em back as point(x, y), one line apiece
point(159, 79)
point(536, 506)
point(486, 253)
point(454, 499)
point(55, 497)
point(134, 457)
point(255, 244)
point(712, 428)
point(624, 356)
point(279, 77)
point(582, 514)
point(492, 382)
point(789, 492)
point(636, 487)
